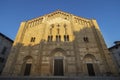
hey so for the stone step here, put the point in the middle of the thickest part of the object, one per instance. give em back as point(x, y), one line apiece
point(58, 78)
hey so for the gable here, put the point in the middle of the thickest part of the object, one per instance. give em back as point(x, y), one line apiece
point(57, 20)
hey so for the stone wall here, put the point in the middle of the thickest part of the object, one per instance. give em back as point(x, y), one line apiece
point(77, 41)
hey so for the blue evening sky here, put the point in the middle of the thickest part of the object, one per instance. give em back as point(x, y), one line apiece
point(106, 12)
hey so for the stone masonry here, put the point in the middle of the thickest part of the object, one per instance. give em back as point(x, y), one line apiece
point(59, 44)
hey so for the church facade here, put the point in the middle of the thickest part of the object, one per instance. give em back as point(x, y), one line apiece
point(59, 44)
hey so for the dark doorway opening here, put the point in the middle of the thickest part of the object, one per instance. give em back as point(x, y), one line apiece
point(90, 69)
point(58, 67)
point(27, 70)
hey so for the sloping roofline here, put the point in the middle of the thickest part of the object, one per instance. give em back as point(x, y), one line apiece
point(57, 11)
point(6, 37)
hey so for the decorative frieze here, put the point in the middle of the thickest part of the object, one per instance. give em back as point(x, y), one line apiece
point(81, 21)
point(35, 22)
point(58, 14)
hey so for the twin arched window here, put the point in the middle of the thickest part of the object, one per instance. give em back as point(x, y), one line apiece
point(32, 39)
point(50, 38)
point(58, 38)
point(66, 37)
point(85, 39)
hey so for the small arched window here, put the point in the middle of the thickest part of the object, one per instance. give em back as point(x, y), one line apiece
point(85, 39)
point(32, 39)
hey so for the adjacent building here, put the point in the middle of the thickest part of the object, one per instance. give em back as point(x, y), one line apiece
point(59, 44)
point(115, 50)
point(5, 47)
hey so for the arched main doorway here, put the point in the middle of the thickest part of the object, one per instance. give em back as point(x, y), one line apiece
point(58, 60)
point(58, 66)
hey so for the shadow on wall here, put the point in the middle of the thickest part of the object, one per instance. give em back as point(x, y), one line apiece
point(27, 60)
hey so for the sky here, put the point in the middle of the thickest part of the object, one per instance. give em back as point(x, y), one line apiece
point(106, 12)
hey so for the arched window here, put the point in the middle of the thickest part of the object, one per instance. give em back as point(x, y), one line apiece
point(27, 66)
point(50, 38)
point(32, 39)
point(66, 37)
point(58, 38)
point(85, 39)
